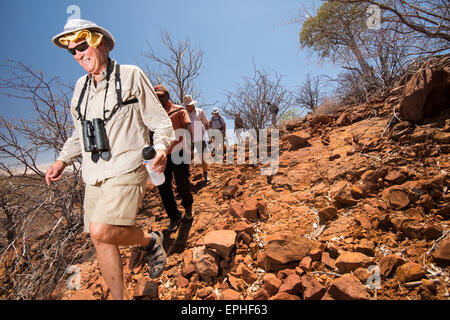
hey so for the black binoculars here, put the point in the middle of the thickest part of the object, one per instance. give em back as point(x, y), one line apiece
point(94, 139)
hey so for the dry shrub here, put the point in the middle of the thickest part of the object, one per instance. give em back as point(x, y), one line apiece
point(327, 107)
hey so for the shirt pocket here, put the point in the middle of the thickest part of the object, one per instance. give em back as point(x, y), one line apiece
point(113, 106)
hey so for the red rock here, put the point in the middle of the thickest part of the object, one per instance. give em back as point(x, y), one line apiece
point(432, 232)
point(327, 296)
point(182, 282)
point(281, 182)
point(188, 270)
point(343, 120)
point(442, 137)
point(230, 294)
point(291, 285)
point(327, 213)
point(250, 209)
point(412, 229)
point(242, 226)
point(298, 140)
point(305, 264)
point(221, 241)
point(83, 294)
point(312, 289)
point(344, 199)
point(334, 157)
point(366, 247)
point(236, 283)
point(315, 254)
point(426, 202)
point(236, 210)
point(418, 100)
point(357, 192)
point(409, 272)
point(271, 283)
point(263, 211)
point(369, 180)
point(146, 288)
point(328, 261)
point(261, 294)
point(320, 119)
point(205, 262)
point(204, 292)
point(284, 296)
point(396, 197)
point(136, 259)
point(442, 252)
point(348, 287)
point(283, 274)
point(280, 254)
point(244, 236)
point(230, 190)
point(246, 274)
point(212, 296)
point(349, 261)
point(396, 177)
point(363, 221)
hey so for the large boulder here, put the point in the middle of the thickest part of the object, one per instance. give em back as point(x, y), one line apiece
point(426, 94)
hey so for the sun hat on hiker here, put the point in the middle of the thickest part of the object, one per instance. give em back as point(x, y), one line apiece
point(161, 89)
point(188, 101)
point(215, 110)
point(76, 29)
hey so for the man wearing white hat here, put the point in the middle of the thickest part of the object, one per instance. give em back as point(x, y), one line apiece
point(199, 124)
point(217, 122)
point(113, 107)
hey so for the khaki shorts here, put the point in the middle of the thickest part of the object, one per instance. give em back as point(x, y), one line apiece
point(115, 201)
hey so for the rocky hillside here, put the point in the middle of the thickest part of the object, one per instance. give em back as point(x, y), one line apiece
point(359, 209)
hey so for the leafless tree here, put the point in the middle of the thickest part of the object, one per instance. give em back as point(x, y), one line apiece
point(39, 224)
point(310, 93)
point(250, 98)
point(178, 69)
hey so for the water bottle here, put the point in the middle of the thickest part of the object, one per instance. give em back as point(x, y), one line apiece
point(148, 154)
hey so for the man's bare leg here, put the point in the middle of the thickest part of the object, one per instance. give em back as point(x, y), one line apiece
point(106, 239)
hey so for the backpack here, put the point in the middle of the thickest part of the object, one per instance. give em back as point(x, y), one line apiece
point(217, 122)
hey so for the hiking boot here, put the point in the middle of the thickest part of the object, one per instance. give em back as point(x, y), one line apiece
point(188, 214)
point(156, 255)
point(174, 224)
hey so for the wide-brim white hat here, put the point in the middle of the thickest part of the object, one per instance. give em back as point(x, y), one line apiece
point(215, 110)
point(74, 25)
point(187, 101)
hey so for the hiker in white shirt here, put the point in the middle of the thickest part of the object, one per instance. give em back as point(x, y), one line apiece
point(199, 124)
point(217, 122)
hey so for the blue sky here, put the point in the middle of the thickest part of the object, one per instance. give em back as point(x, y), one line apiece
point(232, 33)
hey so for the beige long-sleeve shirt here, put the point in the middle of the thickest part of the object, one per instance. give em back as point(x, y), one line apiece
point(127, 131)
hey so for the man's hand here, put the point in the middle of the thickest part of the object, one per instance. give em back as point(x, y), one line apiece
point(55, 172)
point(159, 162)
